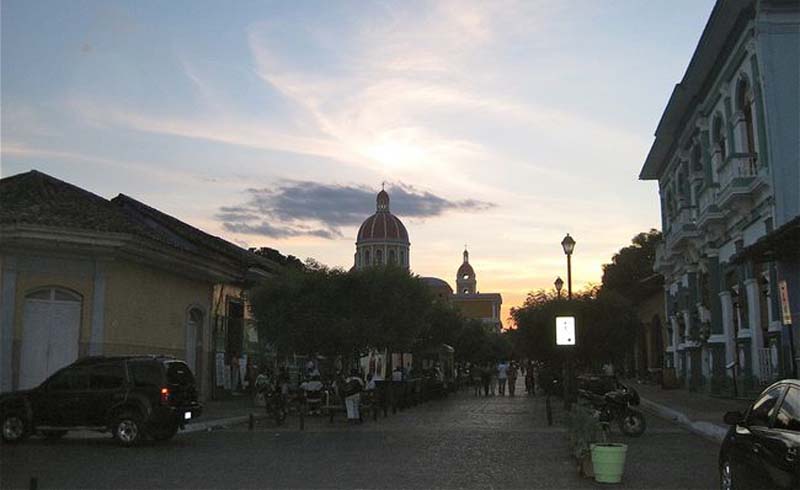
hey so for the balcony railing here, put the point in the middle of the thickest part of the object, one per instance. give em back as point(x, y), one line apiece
point(739, 165)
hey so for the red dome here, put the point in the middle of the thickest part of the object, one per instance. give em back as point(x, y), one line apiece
point(382, 226)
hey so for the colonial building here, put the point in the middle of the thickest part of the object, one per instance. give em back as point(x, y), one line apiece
point(84, 275)
point(382, 238)
point(471, 302)
point(727, 163)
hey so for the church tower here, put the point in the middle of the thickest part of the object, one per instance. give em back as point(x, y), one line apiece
point(465, 277)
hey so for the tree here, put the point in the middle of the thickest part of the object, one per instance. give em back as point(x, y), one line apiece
point(631, 265)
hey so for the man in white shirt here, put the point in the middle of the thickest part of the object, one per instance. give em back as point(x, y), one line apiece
point(313, 391)
point(502, 377)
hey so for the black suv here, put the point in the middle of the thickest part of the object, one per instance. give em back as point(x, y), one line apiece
point(131, 397)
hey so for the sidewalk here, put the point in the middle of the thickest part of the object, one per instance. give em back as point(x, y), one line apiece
point(698, 412)
point(222, 413)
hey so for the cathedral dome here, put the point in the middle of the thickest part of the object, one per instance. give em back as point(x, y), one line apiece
point(383, 225)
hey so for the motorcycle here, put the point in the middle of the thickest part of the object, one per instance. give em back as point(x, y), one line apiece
point(274, 400)
point(616, 406)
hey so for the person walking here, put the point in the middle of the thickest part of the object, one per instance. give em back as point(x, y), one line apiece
point(512, 378)
point(492, 378)
point(502, 377)
point(353, 386)
point(475, 378)
point(486, 378)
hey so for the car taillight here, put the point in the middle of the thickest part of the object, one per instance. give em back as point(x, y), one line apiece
point(164, 395)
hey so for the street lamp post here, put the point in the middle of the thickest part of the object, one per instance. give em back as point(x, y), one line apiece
point(568, 244)
point(558, 284)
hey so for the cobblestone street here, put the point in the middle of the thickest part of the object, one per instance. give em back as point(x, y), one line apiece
point(459, 442)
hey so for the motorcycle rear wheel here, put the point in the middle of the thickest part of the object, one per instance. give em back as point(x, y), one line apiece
point(632, 423)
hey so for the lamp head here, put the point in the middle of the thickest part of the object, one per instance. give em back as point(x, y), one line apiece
point(568, 244)
point(558, 284)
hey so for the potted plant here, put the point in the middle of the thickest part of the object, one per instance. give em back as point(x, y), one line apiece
point(596, 456)
point(583, 430)
point(608, 459)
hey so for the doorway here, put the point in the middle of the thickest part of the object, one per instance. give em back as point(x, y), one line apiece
point(51, 322)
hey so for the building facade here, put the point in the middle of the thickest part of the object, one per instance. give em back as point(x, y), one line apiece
point(84, 275)
point(726, 157)
point(471, 303)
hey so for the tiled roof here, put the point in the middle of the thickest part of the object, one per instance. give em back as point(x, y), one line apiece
point(382, 226)
point(35, 198)
point(184, 235)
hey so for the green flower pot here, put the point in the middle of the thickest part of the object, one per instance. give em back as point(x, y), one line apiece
point(608, 461)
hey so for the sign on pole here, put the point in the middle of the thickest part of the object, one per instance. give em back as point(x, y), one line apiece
point(565, 330)
point(787, 312)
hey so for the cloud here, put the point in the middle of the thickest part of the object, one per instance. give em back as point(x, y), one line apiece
point(303, 208)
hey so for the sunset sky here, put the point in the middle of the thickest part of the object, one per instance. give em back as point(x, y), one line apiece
point(502, 125)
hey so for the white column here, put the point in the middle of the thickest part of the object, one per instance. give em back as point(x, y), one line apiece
point(687, 322)
point(97, 336)
point(754, 312)
point(676, 340)
point(707, 357)
point(727, 325)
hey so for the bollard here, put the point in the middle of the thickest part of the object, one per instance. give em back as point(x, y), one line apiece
point(34, 483)
point(251, 422)
point(549, 410)
point(303, 417)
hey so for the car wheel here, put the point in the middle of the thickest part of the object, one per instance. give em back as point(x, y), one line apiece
point(726, 475)
point(52, 435)
point(128, 429)
point(14, 430)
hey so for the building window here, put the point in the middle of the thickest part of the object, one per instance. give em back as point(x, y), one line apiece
point(718, 131)
point(745, 103)
point(379, 257)
point(392, 259)
point(402, 258)
point(366, 257)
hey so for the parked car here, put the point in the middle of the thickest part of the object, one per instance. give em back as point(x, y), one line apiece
point(131, 397)
point(761, 447)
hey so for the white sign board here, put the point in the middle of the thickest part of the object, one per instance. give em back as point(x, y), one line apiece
point(565, 330)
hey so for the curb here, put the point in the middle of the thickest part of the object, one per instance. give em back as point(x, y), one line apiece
point(219, 423)
point(711, 431)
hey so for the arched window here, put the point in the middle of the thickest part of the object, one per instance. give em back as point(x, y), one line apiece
point(745, 104)
point(379, 257)
point(402, 258)
point(718, 132)
point(670, 204)
point(392, 259)
point(366, 257)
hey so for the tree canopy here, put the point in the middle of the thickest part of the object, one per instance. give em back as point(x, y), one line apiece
point(315, 309)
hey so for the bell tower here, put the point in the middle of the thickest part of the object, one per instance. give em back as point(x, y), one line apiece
point(465, 277)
